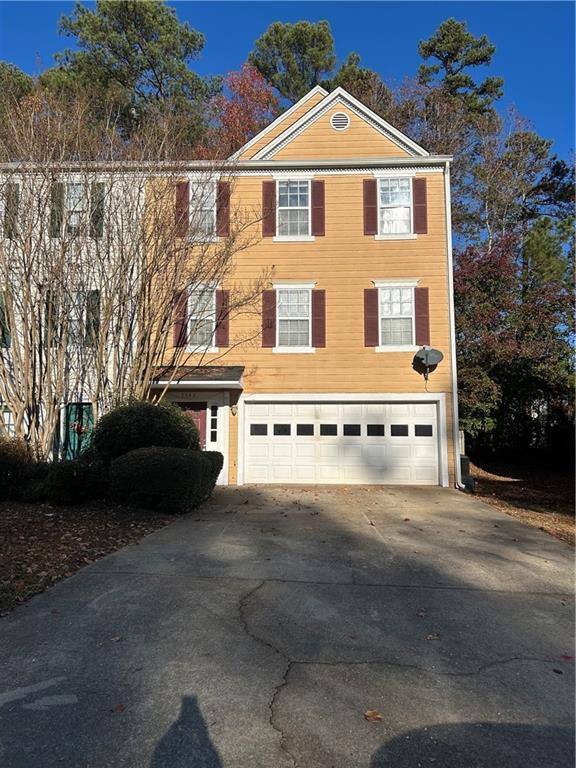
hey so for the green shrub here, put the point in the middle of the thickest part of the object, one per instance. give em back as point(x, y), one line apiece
point(75, 482)
point(141, 424)
point(34, 487)
point(164, 478)
point(216, 461)
point(16, 462)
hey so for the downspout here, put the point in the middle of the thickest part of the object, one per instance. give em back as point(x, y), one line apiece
point(454, 372)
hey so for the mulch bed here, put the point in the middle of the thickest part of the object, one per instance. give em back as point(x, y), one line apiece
point(42, 544)
point(538, 496)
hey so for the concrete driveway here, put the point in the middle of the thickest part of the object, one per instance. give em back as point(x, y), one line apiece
point(257, 632)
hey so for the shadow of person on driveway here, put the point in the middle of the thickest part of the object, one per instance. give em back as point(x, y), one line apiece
point(186, 744)
point(479, 745)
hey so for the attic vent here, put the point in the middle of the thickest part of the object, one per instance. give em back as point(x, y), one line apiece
point(339, 121)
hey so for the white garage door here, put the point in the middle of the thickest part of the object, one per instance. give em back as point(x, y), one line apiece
point(341, 443)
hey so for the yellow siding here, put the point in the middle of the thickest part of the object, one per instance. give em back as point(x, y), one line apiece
point(282, 126)
point(320, 140)
point(343, 262)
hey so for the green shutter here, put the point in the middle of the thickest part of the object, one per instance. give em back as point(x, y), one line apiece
point(5, 337)
point(78, 428)
point(12, 192)
point(92, 318)
point(96, 210)
point(56, 209)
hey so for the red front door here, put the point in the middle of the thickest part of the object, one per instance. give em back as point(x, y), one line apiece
point(197, 413)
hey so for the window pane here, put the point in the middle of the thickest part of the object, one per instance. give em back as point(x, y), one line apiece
point(399, 430)
point(293, 333)
point(375, 430)
point(423, 430)
point(293, 303)
point(396, 331)
point(352, 430)
point(201, 317)
point(304, 430)
point(202, 208)
point(328, 430)
point(395, 191)
point(395, 221)
point(258, 429)
point(282, 429)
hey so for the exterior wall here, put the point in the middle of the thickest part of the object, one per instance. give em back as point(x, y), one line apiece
point(281, 127)
point(343, 262)
point(359, 140)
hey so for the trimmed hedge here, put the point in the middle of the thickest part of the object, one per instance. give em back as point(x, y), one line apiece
point(16, 465)
point(141, 424)
point(165, 478)
point(75, 482)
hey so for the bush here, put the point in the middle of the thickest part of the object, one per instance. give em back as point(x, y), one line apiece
point(16, 462)
point(164, 478)
point(216, 461)
point(75, 482)
point(140, 425)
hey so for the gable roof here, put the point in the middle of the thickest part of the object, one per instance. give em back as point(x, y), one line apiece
point(317, 90)
point(338, 97)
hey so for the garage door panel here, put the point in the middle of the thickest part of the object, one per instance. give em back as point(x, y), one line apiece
point(397, 443)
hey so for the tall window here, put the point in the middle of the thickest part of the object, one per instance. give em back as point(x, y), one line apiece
point(293, 208)
point(75, 202)
point(203, 209)
point(202, 314)
point(395, 206)
point(396, 316)
point(83, 317)
point(294, 310)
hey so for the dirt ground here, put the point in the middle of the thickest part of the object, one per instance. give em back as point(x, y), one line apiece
point(539, 496)
point(42, 544)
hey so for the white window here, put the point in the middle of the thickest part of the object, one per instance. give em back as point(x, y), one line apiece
point(293, 209)
point(395, 206)
point(75, 205)
point(83, 317)
point(396, 316)
point(201, 317)
point(7, 419)
point(202, 210)
point(294, 317)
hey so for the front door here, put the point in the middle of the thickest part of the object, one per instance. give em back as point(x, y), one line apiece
point(196, 412)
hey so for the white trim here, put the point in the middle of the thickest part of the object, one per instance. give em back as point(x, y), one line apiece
point(316, 90)
point(291, 287)
point(396, 282)
point(346, 397)
point(340, 96)
point(202, 348)
point(293, 350)
point(223, 441)
point(343, 114)
point(399, 348)
point(198, 384)
point(296, 284)
point(289, 176)
point(453, 364)
point(393, 173)
point(293, 239)
point(405, 236)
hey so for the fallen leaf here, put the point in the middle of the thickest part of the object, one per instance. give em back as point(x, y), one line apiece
point(119, 708)
point(116, 638)
point(373, 716)
point(406, 519)
point(420, 613)
point(558, 671)
point(433, 636)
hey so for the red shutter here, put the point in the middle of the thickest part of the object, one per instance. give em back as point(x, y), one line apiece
point(422, 316)
point(370, 207)
point(180, 336)
point(371, 331)
point(318, 318)
point(222, 336)
point(420, 202)
point(268, 318)
point(182, 208)
point(268, 208)
point(223, 209)
point(318, 226)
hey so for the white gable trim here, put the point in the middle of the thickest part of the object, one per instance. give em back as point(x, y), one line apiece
point(317, 90)
point(340, 96)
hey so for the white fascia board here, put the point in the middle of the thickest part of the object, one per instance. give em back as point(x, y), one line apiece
point(199, 384)
point(347, 397)
point(317, 90)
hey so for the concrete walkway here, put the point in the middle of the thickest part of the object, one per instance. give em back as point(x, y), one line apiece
point(257, 632)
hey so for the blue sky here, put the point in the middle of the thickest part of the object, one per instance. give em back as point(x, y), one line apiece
point(534, 41)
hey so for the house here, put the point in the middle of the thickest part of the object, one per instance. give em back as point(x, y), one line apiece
point(355, 227)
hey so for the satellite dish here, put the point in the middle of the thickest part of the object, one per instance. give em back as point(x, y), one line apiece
point(426, 360)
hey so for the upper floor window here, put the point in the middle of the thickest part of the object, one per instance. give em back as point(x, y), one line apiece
point(294, 317)
point(201, 317)
point(396, 308)
point(395, 206)
point(293, 208)
point(75, 207)
point(202, 210)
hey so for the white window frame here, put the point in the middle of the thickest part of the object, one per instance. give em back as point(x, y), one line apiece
point(194, 234)
point(82, 212)
point(294, 287)
point(294, 238)
point(211, 346)
point(409, 175)
point(388, 284)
